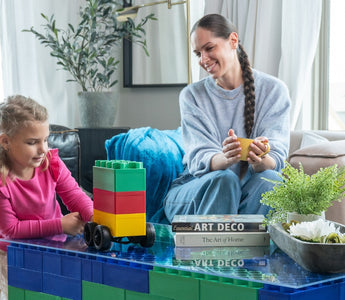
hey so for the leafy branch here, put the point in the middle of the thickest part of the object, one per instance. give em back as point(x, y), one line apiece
point(86, 51)
point(304, 194)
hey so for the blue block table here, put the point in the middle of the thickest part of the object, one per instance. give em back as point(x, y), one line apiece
point(47, 269)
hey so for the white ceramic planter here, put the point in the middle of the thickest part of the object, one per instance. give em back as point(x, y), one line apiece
point(304, 218)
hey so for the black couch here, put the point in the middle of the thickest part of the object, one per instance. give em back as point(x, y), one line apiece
point(78, 149)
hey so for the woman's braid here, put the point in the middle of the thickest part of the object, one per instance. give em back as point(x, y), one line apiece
point(249, 90)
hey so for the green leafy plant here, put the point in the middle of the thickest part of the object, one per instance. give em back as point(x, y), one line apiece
point(304, 194)
point(86, 51)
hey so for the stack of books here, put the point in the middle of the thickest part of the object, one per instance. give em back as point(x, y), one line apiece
point(220, 230)
point(223, 257)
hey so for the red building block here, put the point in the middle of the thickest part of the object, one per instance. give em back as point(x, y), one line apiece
point(119, 202)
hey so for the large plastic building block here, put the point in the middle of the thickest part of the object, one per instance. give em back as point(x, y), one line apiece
point(24, 278)
point(30, 295)
point(122, 225)
point(15, 293)
point(119, 202)
point(92, 291)
point(219, 288)
point(330, 290)
point(119, 176)
point(33, 259)
point(174, 284)
point(62, 263)
point(130, 295)
point(86, 266)
point(21, 294)
point(62, 286)
point(15, 256)
point(121, 274)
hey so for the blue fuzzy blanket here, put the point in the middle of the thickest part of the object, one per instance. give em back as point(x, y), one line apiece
point(161, 152)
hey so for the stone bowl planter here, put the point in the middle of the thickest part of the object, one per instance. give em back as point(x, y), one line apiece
point(314, 257)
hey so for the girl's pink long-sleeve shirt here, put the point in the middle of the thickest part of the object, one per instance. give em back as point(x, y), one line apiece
point(29, 209)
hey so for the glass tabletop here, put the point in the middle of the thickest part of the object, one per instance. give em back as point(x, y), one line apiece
point(267, 265)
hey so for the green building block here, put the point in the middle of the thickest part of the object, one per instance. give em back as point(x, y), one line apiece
point(15, 293)
point(92, 291)
point(174, 284)
point(131, 295)
point(119, 176)
point(31, 295)
point(219, 288)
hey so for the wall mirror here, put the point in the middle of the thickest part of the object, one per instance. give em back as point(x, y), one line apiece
point(167, 63)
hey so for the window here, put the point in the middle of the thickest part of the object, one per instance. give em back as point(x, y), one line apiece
point(336, 105)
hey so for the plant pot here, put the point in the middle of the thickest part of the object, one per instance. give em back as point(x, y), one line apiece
point(97, 109)
point(304, 218)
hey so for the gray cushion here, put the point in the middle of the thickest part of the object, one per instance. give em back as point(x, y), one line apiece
point(319, 156)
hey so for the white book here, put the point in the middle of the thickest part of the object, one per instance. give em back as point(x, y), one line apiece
point(205, 239)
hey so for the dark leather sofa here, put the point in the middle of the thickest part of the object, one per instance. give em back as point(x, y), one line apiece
point(68, 142)
point(78, 149)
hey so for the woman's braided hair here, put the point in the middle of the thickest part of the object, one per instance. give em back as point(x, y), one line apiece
point(221, 27)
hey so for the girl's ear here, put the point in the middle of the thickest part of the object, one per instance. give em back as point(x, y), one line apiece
point(4, 141)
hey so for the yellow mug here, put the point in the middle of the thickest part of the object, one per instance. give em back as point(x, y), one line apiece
point(245, 145)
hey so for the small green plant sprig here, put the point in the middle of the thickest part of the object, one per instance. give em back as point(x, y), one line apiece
point(304, 194)
point(86, 51)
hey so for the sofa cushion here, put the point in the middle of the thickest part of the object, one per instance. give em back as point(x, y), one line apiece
point(311, 138)
point(319, 156)
point(161, 153)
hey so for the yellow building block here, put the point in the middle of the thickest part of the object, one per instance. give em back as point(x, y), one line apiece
point(121, 225)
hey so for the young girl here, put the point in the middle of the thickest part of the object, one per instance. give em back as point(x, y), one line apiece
point(31, 175)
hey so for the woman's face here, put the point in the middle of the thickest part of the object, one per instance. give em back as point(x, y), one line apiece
point(217, 56)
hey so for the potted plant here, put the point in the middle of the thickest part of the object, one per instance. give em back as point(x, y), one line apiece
point(86, 51)
point(303, 194)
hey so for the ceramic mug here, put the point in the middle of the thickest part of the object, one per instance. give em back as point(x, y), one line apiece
point(245, 145)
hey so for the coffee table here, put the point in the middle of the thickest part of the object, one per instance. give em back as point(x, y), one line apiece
point(72, 270)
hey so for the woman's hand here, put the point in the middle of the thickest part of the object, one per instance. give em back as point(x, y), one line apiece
point(231, 153)
point(72, 224)
point(256, 158)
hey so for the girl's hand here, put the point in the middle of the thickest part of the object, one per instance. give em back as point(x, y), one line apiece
point(72, 224)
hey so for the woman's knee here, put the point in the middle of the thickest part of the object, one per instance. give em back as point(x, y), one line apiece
point(223, 178)
point(271, 175)
point(205, 194)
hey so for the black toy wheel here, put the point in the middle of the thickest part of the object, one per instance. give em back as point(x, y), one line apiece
point(89, 229)
point(148, 240)
point(102, 238)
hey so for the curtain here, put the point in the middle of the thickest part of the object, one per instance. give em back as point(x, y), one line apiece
point(280, 37)
point(28, 68)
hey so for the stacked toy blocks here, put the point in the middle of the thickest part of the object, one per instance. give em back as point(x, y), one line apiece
point(119, 195)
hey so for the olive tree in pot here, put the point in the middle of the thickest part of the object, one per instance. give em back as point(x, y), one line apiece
point(86, 51)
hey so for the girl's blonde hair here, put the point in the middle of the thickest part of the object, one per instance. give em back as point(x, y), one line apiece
point(17, 112)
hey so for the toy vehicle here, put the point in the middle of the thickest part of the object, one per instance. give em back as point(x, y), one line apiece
point(119, 206)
